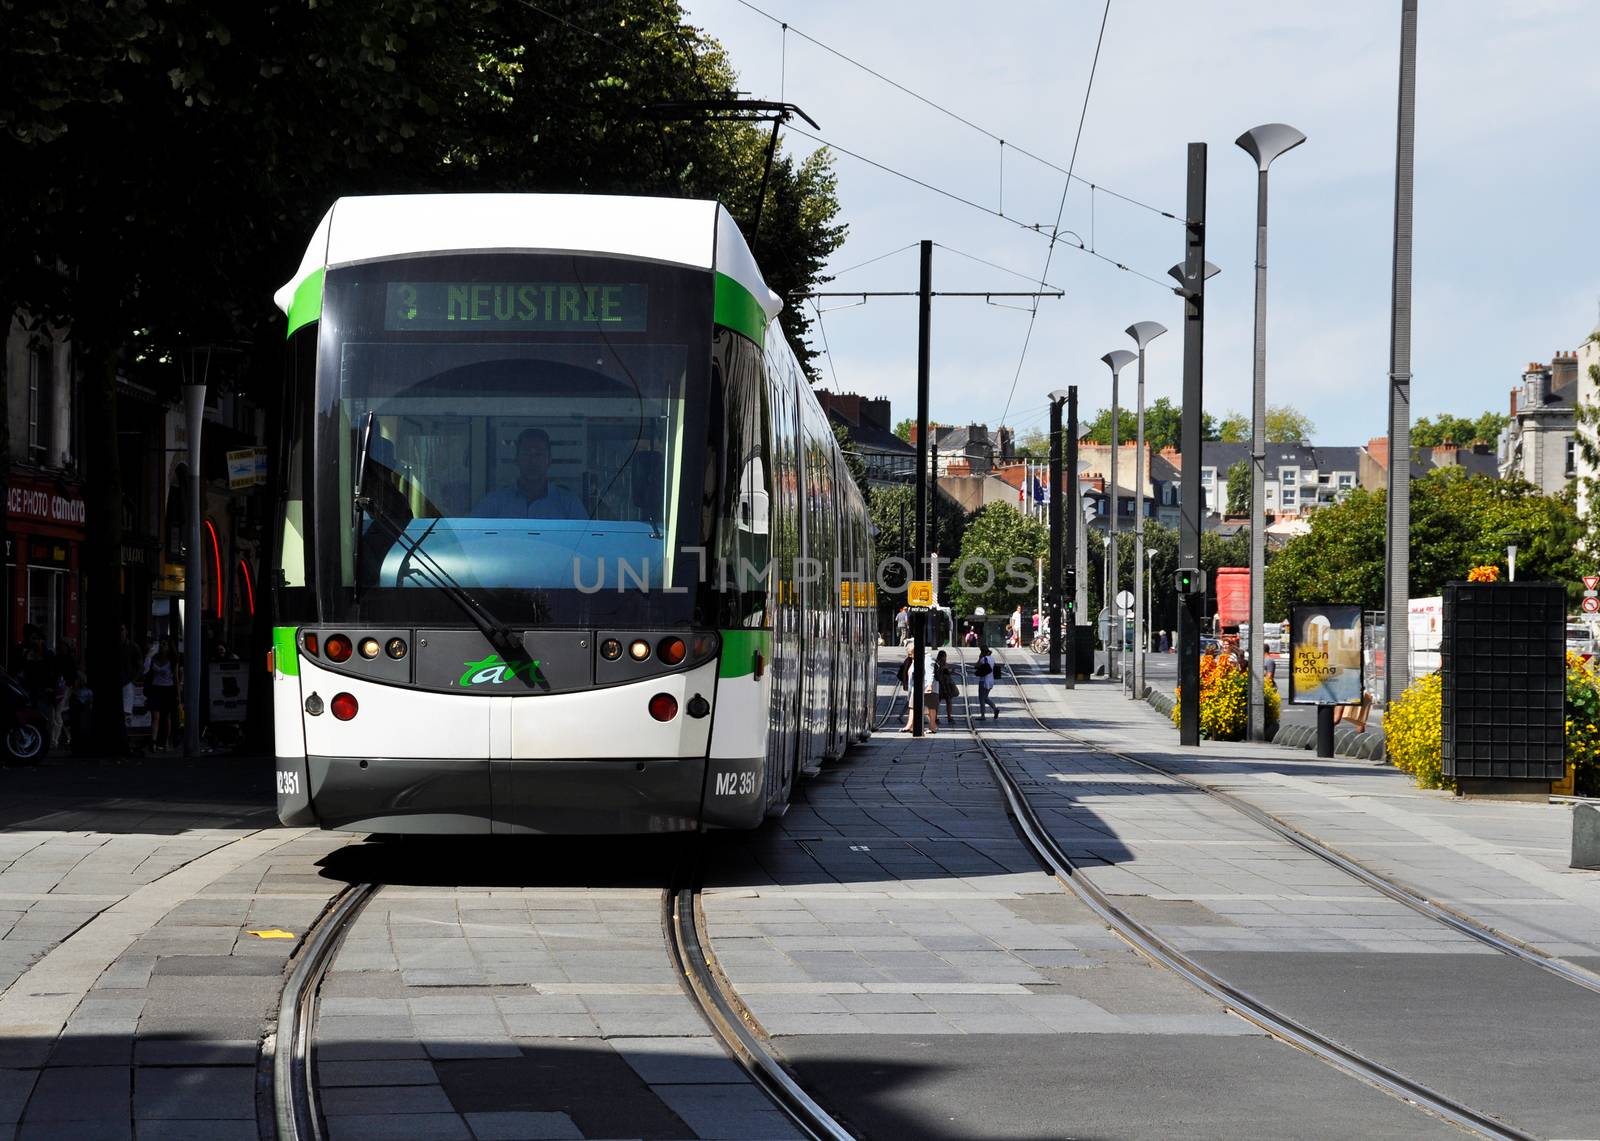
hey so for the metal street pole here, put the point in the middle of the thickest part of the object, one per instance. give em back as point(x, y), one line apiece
point(1074, 540)
point(1054, 601)
point(1397, 556)
point(1192, 288)
point(1116, 360)
point(1263, 144)
point(919, 618)
point(1142, 333)
point(194, 400)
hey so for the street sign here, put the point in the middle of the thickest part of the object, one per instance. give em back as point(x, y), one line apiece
point(919, 595)
point(1124, 602)
point(1591, 605)
point(1591, 582)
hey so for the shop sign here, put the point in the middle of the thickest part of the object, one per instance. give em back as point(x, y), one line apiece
point(44, 501)
point(247, 467)
point(230, 691)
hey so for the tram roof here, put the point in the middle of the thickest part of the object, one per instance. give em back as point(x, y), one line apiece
point(682, 231)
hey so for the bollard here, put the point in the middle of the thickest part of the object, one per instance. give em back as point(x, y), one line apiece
point(1324, 730)
point(1586, 837)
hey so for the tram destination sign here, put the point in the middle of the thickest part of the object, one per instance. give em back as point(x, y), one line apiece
point(546, 306)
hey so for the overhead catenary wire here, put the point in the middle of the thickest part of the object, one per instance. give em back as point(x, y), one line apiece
point(1055, 231)
point(962, 119)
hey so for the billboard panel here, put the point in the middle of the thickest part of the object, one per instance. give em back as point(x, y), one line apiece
point(1325, 660)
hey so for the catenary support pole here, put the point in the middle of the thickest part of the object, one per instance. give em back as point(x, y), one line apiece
point(1397, 555)
point(194, 399)
point(1054, 601)
point(1192, 287)
point(1324, 730)
point(919, 618)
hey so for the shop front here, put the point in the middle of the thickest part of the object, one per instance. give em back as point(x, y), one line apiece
point(45, 533)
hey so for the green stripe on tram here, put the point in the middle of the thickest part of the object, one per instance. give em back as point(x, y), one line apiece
point(284, 650)
point(736, 308)
point(307, 304)
point(739, 649)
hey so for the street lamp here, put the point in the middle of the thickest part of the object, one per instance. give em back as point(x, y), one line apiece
point(1142, 333)
point(1150, 598)
point(1511, 562)
point(1116, 360)
point(1263, 144)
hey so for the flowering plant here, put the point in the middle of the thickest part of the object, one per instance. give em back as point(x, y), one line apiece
point(1583, 724)
point(1225, 700)
point(1486, 573)
point(1413, 730)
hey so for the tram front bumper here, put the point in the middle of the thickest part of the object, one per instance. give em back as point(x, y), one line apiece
point(459, 796)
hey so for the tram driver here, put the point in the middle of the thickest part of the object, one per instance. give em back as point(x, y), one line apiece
point(532, 496)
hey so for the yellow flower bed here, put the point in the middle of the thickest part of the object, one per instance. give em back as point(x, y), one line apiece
point(1225, 700)
point(1583, 724)
point(1413, 731)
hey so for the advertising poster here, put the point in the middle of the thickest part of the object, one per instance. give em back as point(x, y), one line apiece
point(1325, 664)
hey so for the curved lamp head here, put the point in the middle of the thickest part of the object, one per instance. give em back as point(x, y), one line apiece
point(1268, 141)
point(1057, 396)
point(1144, 332)
point(1176, 272)
point(1118, 359)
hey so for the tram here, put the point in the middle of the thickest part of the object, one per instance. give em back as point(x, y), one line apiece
point(565, 542)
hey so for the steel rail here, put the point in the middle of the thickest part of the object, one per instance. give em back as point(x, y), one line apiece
point(294, 1093)
point(1240, 1003)
point(703, 980)
point(1392, 888)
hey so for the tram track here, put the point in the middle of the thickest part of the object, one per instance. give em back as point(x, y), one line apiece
point(1159, 950)
point(1391, 888)
point(296, 1114)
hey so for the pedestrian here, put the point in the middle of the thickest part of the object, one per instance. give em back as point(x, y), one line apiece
point(930, 697)
point(130, 667)
point(971, 636)
point(984, 669)
point(903, 672)
point(1014, 628)
point(902, 624)
point(161, 695)
point(948, 689)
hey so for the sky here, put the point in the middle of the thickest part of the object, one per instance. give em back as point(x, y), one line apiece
point(1507, 241)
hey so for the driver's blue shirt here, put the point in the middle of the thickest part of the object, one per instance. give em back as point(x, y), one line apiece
point(510, 503)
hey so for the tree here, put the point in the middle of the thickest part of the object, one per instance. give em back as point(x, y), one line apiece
point(1098, 429)
point(1431, 432)
point(1163, 425)
point(996, 535)
point(1034, 445)
point(1458, 521)
point(1287, 425)
point(852, 458)
point(904, 429)
point(894, 516)
point(1234, 429)
point(1587, 435)
point(1239, 488)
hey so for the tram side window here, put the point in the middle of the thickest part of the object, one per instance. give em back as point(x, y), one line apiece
point(744, 551)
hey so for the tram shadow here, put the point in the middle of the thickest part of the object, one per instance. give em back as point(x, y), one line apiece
point(514, 861)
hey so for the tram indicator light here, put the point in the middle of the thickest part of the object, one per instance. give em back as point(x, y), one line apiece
point(671, 650)
point(337, 647)
point(611, 649)
point(369, 647)
point(343, 706)
point(396, 648)
point(309, 641)
point(663, 707)
point(639, 649)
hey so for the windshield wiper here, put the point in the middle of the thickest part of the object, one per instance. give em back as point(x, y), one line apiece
point(501, 637)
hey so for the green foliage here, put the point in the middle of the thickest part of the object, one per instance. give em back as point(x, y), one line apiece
point(1098, 428)
point(894, 515)
point(1163, 425)
point(1034, 445)
point(903, 429)
point(1287, 425)
point(995, 535)
point(1234, 428)
point(1225, 700)
point(1239, 488)
point(1587, 435)
point(1458, 521)
point(1413, 732)
point(1430, 432)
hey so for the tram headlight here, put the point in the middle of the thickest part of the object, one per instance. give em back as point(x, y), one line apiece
point(611, 649)
point(337, 648)
point(639, 649)
point(671, 650)
point(395, 648)
point(369, 647)
point(663, 707)
point(343, 706)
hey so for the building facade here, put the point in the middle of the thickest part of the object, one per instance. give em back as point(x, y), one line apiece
point(1539, 444)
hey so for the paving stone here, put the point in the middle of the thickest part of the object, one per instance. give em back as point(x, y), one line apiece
point(522, 1126)
point(724, 1111)
point(15, 1088)
point(195, 1093)
point(395, 1072)
point(82, 1094)
point(677, 1060)
point(388, 1127)
point(358, 1100)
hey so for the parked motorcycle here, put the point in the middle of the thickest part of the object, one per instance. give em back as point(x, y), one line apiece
point(23, 725)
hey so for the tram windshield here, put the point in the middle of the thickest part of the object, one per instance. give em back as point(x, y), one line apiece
point(516, 426)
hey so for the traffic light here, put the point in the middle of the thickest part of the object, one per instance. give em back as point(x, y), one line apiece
point(1191, 581)
point(1072, 606)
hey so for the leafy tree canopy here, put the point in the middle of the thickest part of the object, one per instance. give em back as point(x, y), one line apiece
point(1234, 429)
point(1287, 425)
point(904, 428)
point(1239, 488)
point(1430, 432)
point(997, 534)
point(1163, 425)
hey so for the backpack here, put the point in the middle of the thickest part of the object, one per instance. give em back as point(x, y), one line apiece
point(982, 669)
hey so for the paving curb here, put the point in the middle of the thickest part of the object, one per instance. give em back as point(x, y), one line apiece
point(1366, 746)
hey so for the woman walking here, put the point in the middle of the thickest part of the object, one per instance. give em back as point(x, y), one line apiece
point(948, 690)
point(985, 671)
point(161, 695)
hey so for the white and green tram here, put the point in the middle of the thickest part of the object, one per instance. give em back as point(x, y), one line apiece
point(566, 543)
